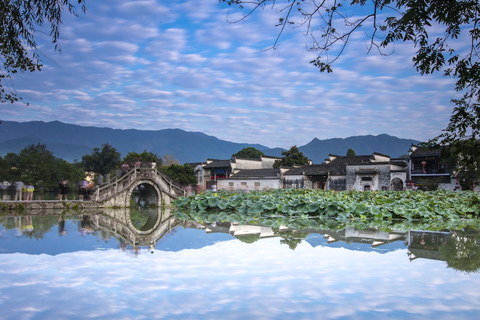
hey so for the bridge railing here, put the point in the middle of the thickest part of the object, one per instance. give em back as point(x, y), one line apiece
point(120, 183)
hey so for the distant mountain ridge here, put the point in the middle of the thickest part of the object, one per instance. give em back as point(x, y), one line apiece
point(71, 142)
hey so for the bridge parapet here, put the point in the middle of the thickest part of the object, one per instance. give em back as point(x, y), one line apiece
point(123, 186)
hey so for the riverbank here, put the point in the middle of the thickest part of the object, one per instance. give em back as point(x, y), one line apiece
point(37, 206)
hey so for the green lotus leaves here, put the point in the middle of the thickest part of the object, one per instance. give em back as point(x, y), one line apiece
point(269, 205)
point(300, 206)
point(213, 202)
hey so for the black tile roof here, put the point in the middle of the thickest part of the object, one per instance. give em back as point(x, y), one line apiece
point(219, 164)
point(256, 173)
point(424, 152)
point(338, 166)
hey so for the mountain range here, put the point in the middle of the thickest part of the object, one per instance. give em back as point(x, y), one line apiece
point(70, 142)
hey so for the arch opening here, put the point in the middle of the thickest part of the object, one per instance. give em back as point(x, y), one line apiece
point(397, 184)
point(144, 210)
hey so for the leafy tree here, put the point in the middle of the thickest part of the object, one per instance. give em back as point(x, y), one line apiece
point(8, 168)
point(168, 160)
point(38, 165)
point(464, 159)
point(384, 22)
point(351, 153)
point(462, 251)
point(291, 158)
point(250, 153)
point(144, 157)
point(102, 161)
point(182, 174)
point(19, 20)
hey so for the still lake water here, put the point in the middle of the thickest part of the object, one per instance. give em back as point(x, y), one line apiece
point(95, 266)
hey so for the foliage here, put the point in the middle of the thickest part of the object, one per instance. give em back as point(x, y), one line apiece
point(249, 153)
point(292, 238)
point(291, 158)
point(102, 161)
point(351, 153)
point(462, 251)
point(182, 174)
point(168, 160)
point(19, 20)
point(249, 238)
point(445, 34)
point(38, 165)
point(463, 158)
point(318, 208)
point(144, 157)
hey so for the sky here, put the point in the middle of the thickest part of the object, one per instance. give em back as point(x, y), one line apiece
point(153, 65)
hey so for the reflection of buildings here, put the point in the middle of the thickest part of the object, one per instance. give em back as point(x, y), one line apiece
point(426, 244)
point(237, 230)
point(371, 236)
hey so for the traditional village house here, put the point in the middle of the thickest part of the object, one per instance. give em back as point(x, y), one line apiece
point(427, 171)
point(252, 179)
point(363, 173)
point(218, 170)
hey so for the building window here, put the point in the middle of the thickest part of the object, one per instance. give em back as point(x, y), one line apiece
point(243, 184)
point(257, 184)
point(366, 178)
point(230, 184)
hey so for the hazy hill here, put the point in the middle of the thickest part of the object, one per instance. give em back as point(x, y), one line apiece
point(362, 145)
point(72, 142)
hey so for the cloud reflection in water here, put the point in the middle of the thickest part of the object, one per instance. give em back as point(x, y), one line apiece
point(234, 280)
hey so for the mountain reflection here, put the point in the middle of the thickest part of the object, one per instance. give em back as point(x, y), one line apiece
point(135, 230)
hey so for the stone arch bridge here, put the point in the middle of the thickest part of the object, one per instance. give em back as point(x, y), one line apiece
point(149, 181)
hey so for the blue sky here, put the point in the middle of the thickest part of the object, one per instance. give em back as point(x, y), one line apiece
point(154, 65)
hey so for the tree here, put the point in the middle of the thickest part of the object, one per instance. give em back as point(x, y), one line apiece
point(102, 161)
point(351, 153)
point(144, 157)
point(19, 20)
point(385, 22)
point(38, 165)
point(168, 160)
point(249, 153)
point(182, 174)
point(291, 158)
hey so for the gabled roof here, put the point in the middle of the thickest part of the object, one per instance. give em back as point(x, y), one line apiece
point(337, 165)
point(256, 173)
point(219, 164)
point(309, 170)
point(417, 151)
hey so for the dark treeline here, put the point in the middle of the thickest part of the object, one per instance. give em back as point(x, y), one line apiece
point(37, 165)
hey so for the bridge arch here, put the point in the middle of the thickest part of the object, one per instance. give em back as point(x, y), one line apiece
point(118, 192)
point(150, 190)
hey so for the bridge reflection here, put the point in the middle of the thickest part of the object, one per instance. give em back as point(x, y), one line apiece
point(135, 228)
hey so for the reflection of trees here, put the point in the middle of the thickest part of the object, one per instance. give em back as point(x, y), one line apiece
point(138, 217)
point(292, 238)
point(251, 238)
point(40, 226)
point(462, 251)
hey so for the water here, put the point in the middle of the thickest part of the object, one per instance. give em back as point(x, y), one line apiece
point(98, 266)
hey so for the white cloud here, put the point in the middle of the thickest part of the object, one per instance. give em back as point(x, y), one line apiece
point(157, 55)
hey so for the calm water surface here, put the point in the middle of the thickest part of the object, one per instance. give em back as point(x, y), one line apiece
point(97, 266)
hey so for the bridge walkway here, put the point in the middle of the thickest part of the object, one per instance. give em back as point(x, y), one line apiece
point(124, 184)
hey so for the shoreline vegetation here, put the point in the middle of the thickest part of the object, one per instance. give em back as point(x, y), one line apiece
point(301, 208)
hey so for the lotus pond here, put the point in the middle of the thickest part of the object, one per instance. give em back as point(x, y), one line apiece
point(309, 208)
point(235, 259)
